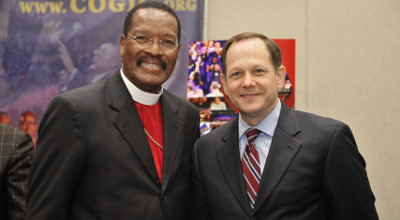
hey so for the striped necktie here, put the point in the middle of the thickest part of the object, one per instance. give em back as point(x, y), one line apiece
point(251, 166)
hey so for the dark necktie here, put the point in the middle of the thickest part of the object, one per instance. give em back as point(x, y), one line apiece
point(251, 166)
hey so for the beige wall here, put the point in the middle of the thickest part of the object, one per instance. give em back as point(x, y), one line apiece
point(347, 67)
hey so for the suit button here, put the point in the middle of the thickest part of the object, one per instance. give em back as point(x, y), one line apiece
point(253, 218)
point(164, 197)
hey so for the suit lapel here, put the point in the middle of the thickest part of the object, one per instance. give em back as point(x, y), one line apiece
point(172, 130)
point(284, 148)
point(127, 120)
point(230, 165)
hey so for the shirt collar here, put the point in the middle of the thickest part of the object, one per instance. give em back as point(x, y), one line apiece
point(266, 126)
point(140, 96)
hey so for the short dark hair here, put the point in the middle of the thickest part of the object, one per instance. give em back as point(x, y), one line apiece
point(150, 4)
point(273, 48)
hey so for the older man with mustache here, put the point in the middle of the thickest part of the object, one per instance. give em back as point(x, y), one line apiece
point(120, 148)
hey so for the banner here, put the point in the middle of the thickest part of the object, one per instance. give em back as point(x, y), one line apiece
point(49, 47)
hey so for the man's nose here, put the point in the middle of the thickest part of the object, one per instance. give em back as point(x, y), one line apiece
point(154, 48)
point(248, 80)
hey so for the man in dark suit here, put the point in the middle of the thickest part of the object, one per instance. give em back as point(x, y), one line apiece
point(15, 161)
point(273, 162)
point(120, 148)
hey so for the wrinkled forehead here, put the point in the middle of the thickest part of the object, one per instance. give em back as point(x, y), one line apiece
point(152, 20)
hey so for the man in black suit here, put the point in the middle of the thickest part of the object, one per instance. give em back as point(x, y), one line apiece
point(293, 165)
point(120, 148)
point(15, 161)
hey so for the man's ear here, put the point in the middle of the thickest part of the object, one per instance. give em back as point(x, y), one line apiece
point(280, 75)
point(121, 45)
point(223, 83)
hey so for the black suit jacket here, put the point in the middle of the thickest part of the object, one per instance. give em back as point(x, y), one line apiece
point(93, 160)
point(16, 151)
point(313, 171)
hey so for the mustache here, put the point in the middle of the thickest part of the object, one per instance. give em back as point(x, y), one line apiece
point(151, 59)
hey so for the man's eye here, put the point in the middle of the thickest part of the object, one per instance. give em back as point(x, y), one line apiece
point(142, 37)
point(168, 42)
point(235, 74)
point(259, 71)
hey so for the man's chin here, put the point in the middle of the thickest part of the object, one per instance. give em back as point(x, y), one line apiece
point(153, 86)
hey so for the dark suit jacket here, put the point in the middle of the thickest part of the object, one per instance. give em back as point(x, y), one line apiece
point(313, 171)
point(15, 161)
point(93, 160)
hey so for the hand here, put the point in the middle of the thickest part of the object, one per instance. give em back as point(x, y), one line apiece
point(65, 57)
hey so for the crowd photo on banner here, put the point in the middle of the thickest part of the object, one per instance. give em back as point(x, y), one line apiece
point(45, 52)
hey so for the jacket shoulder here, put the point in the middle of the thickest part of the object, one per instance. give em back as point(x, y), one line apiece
point(316, 121)
point(180, 101)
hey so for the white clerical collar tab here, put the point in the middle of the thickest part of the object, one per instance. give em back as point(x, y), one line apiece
point(140, 96)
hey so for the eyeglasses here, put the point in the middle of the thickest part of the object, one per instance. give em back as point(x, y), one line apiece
point(164, 44)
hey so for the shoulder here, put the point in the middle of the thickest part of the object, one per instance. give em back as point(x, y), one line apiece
point(76, 107)
point(85, 93)
point(8, 131)
point(320, 130)
point(14, 141)
point(311, 128)
point(113, 84)
point(179, 101)
point(310, 120)
point(85, 97)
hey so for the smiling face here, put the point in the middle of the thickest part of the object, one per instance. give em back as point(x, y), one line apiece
point(251, 81)
point(149, 67)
